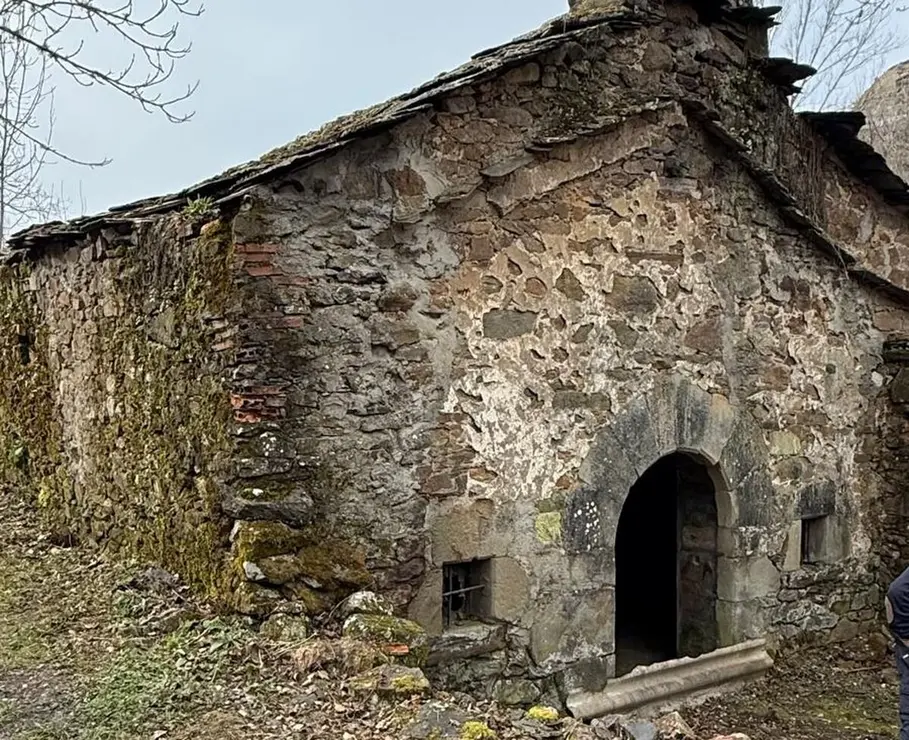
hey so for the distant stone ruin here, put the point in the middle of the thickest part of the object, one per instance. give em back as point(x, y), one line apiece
point(886, 106)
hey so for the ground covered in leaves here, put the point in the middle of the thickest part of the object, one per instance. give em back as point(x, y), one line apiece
point(91, 650)
point(847, 691)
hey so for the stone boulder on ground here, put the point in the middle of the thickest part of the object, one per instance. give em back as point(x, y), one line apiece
point(365, 602)
point(672, 727)
point(668, 727)
point(401, 639)
point(436, 721)
point(394, 681)
point(286, 628)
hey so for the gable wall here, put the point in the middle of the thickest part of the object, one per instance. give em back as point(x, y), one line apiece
point(473, 315)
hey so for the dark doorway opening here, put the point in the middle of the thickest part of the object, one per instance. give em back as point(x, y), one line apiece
point(666, 563)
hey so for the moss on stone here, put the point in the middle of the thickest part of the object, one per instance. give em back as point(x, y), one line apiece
point(335, 565)
point(309, 565)
point(254, 600)
point(31, 462)
point(280, 569)
point(175, 411)
point(256, 541)
point(391, 680)
point(542, 714)
point(473, 730)
point(149, 441)
point(312, 601)
point(384, 630)
point(409, 684)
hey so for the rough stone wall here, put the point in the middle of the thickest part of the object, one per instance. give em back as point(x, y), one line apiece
point(344, 328)
point(885, 452)
point(112, 411)
point(884, 104)
point(439, 323)
point(698, 562)
point(482, 290)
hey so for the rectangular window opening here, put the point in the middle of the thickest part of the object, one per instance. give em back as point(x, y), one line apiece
point(25, 349)
point(813, 539)
point(466, 591)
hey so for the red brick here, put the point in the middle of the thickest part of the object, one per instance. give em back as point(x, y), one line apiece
point(256, 257)
point(262, 270)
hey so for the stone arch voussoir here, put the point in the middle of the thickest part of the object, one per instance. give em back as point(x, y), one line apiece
point(674, 416)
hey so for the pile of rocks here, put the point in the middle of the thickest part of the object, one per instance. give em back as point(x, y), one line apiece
point(383, 656)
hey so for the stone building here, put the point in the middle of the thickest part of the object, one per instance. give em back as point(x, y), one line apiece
point(587, 354)
point(886, 106)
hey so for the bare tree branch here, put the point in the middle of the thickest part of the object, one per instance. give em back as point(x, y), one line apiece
point(39, 38)
point(846, 41)
point(58, 31)
point(26, 116)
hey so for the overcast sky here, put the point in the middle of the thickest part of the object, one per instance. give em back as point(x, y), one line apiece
point(266, 78)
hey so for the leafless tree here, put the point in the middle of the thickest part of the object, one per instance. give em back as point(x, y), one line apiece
point(26, 117)
point(846, 41)
point(44, 39)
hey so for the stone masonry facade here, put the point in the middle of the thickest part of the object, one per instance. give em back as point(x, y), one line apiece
point(463, 335)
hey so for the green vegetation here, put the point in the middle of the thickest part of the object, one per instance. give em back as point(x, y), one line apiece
point(148, 436)
point(200, 209)
point(476, 731)
point(543, 714)
point(173, 678)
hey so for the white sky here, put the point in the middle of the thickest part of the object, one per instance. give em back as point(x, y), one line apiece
point(266, 78)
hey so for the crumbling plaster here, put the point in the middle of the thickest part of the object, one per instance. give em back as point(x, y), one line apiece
point(547, 301)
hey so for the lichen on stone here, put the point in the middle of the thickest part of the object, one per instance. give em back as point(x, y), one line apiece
point(543, 714)
point(548, 527)
point(473, 730)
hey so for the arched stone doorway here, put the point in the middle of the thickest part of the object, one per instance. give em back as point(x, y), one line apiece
point(675, 418)
point(667, 554)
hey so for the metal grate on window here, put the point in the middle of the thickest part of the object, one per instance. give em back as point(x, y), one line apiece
point(465, 591)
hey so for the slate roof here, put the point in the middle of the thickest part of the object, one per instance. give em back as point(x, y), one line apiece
point(483, 66)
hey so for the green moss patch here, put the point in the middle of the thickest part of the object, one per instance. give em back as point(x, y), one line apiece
point(401, 637)
point(476, 731)
point(256, 541)
point(147, 431)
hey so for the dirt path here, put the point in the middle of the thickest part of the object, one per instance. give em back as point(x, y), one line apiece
point(90, 651)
